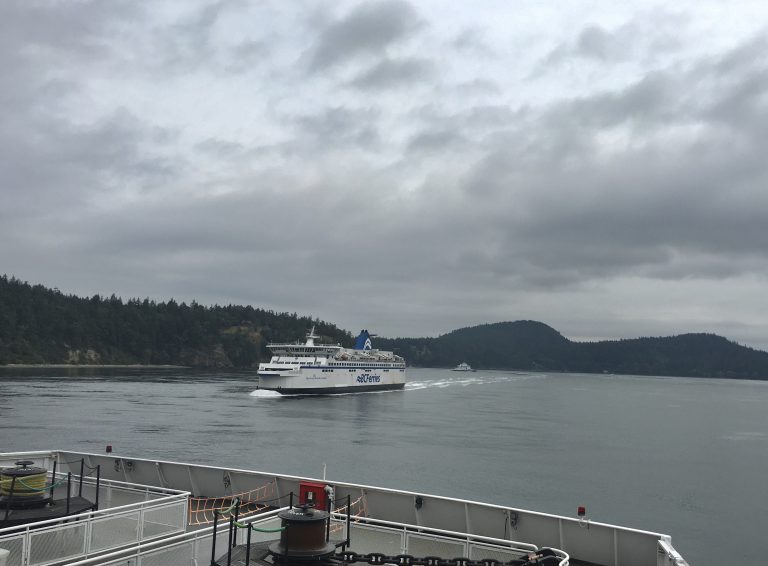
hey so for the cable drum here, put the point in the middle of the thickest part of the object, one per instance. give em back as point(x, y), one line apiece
point(23, 486)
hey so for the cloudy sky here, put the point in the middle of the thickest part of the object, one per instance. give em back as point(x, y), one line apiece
point(408, 167)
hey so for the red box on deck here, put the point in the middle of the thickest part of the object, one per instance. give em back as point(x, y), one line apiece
point(312, 493)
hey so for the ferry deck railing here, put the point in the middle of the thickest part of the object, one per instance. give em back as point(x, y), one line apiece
point(161, 513)
point(390, 537)
point(397, 538)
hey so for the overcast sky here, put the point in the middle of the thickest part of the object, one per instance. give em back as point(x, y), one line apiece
point(406, 167)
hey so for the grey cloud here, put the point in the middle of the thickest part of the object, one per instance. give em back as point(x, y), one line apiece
point(342, 125)
point(472, 40)
point(41, 42)
point(393, 73)
point(69, 167)
point(741, 78)
point(222, 149)
point(645, 36)
point(593, 42)
point(368, 29)
point(653, 100)
point(682, 187)
point(54, 28)
point(419, 197)
point(248, 55)
point(188, 44)
point(436, 140)
point(460, 131)
point(478, 86)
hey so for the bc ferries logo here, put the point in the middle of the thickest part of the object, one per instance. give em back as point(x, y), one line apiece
point(363, 341)
point(368, 378)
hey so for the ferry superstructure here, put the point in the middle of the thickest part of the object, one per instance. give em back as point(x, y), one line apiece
point(312, 368)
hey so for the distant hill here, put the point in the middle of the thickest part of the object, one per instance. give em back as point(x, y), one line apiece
point(530, 345)
point(43, 326)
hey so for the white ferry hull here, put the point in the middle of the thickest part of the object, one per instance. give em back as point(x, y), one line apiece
point(314, 382)
point(333, 390)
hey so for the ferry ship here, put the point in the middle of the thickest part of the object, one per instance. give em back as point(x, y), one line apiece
point(311, 368)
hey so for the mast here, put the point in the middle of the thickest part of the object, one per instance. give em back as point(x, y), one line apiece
point(311, 337)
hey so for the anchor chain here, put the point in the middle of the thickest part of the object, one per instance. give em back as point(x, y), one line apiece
point(543, 557)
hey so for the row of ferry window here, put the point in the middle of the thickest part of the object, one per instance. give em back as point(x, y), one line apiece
point(352, 370)
point(366, 364)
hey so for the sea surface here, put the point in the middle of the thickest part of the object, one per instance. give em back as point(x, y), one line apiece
point(682, 456)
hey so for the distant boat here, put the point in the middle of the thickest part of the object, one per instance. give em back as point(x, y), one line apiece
point(463, 366)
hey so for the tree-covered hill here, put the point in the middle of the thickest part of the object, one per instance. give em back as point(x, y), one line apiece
point(43, 326)
point(529, 345)
point(524, 344)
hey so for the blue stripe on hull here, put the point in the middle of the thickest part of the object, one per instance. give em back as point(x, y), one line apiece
point(331, 390)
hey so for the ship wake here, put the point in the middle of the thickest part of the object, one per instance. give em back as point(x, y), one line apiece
point(466, 381)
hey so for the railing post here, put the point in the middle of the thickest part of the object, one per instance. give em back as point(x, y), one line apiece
point(184, 519)
point(98, 486)
point(237, 516)
point(69, 489)
point(248, 548)
point(53, 479)
point(213, 542)
point(230, 545)
point(141, 524)
point(82, 469)
point(349, 519)
point(10, 498)
point(88, 527)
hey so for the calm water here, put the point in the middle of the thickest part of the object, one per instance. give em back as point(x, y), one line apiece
point(687, 457)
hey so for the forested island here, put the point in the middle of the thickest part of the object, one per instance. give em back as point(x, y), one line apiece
point(43, 326)
point(531, 345)
point(39, 325)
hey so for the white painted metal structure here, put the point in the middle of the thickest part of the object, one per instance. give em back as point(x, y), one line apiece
point(130, 514)
point(311, 368)
point(391, 521)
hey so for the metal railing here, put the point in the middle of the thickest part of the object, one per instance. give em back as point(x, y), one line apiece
point(188, 548)
point(668, 556)
point(409, 537)
point(97, 531)
point(196, 547)
point(407, 529)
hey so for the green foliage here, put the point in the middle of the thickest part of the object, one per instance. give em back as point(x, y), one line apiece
point(43, 326)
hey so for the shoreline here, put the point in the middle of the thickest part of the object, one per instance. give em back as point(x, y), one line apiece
point(64, 366)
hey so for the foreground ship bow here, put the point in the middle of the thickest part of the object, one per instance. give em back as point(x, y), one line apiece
point(311, 368)
point(155, 512)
